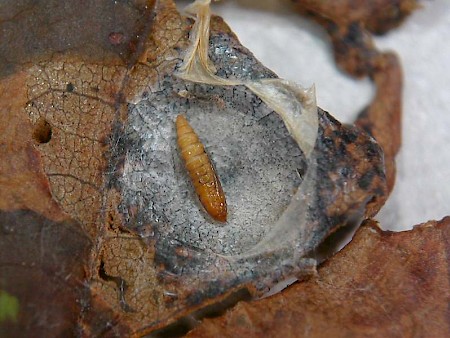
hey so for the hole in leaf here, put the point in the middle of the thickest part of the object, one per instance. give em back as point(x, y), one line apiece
point(42, 131)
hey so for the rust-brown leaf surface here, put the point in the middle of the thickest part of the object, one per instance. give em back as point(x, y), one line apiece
point(100, 232)
point(349, 25)
point(383, 284)
point(379, 16)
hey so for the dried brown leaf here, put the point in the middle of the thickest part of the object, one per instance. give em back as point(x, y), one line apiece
point(382, 284)
point(378, 16)
point(92, 190)
point(382, 118)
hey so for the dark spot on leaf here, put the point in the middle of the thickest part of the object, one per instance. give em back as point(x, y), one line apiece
point(366, 180)
point(342, 149)
point(372, 150)
point(70, 87)
point(349, 137)
point(354, 34)
point(328, 142)
point(344, 172)
point(42, 131)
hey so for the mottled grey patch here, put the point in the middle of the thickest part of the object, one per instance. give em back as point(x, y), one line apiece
point(234, 60)
point(254, 156)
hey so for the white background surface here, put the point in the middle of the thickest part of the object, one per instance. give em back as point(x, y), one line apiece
point(298, 50)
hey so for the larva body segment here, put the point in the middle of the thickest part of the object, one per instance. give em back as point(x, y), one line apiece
point(201, 170)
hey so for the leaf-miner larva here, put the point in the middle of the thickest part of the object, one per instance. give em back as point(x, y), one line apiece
point(201, 170)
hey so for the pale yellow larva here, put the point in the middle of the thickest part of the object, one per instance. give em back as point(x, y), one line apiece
point(201, 171)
